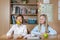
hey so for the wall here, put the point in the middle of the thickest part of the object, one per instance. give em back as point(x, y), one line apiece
point(4, 16)
point(56, 22)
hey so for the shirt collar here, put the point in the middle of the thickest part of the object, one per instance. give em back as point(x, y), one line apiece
point(19, 25)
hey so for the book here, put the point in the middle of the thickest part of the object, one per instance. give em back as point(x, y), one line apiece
point(13, 9)
point(17, 10)
point(13, 19)
point(32, 21)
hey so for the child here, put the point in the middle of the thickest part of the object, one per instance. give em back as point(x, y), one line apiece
point(43, 27)
point(18, 30)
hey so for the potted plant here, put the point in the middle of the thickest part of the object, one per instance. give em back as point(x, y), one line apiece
point(37, 1)
point(24, 1)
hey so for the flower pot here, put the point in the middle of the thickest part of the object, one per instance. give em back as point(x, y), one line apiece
point(24, 2)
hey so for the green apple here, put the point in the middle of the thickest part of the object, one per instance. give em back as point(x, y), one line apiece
point(45, 35)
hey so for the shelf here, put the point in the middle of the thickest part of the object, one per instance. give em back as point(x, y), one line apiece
point(26, 14)
point(26, 24)
point(30, 24)
point(27, 4)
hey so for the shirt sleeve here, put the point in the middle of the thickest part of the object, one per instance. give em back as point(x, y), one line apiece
point(35, 31)
point(10, 31)
point(24, 30)
point(52, 31)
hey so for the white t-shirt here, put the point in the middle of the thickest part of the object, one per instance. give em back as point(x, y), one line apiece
point(21, 30)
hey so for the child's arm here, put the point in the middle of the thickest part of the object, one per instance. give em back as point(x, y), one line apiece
point(52, 31)
point(9, 33)
point(24, 30)
point(35, 31)
point(24, 33)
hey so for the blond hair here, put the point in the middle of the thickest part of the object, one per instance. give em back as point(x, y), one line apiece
point(45, 24)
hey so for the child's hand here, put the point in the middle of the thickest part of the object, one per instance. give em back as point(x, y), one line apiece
point(19, 37)
point(44, 35)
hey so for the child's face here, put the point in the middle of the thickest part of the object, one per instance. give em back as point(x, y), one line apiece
point(42, 19)
point(19, 19)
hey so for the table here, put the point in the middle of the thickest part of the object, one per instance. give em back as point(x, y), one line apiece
point(55, 37)
point(26, 39)
point(49, 38)
point(52, 38)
